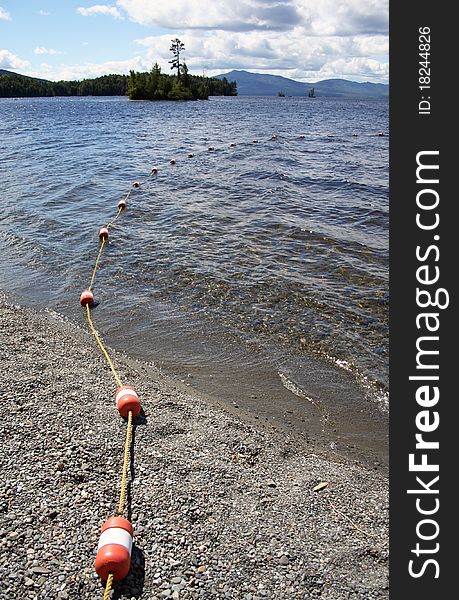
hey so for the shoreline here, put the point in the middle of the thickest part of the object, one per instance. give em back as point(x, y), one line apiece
point(340, 422)
point(222, 505)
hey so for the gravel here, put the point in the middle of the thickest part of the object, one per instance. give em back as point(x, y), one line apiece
point(221, 507)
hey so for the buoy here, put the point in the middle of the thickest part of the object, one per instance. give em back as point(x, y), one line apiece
point(114, 549)
point(274, 136)
point(87, 297)
point(210, 148)
point(154, 170)
point(172, 161)
point(232, 145)
point(122, 204)
point(255, 141)
point(136, 184)
point(355, 134)
point(103, 233)
point(190, 155)
point(330, 135)
point(380, 134)
point(302, 137)
point(127, 400)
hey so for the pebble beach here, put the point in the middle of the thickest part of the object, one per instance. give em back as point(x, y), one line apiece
point(222, 507)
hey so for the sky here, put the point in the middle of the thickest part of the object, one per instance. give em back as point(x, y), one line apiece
point(306, 40)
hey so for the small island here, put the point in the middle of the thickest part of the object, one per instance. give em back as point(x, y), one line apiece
point(159, 86)
point(181, 86)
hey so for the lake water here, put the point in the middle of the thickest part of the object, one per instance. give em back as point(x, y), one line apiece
point(257, 274)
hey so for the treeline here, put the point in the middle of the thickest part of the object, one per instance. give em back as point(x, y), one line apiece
point(155, 85)
point(19, 86)
point(139, 86)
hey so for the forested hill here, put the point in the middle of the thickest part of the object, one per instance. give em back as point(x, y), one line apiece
point(13, 85)
point(137, 86)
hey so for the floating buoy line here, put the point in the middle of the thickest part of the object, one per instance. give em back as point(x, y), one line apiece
point(113, 558)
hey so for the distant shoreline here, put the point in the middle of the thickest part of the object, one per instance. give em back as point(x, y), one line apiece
point(248, 84)
point(152, 85)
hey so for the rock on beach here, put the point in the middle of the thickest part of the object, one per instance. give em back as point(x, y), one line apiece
point(208, 524)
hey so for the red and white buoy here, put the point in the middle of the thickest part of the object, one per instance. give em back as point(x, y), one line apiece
point(122, 204)
point(87, 297)
point(114, 549)
point(103, 233)
point(172, 161)
point(136, 184)
point(126, 399)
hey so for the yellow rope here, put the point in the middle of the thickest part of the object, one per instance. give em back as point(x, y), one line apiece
point(122, 500)
point(127, 445)
point(101, 346)
point(120, 210)
point(108, 586)
point(101, 248)
point(102, 244)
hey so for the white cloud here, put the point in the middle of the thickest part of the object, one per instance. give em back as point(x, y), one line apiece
point(100, 9)
point(321, 17)
point(230, 15)
point(43, 50)
point(348, 17)
point(88, 70)
point(364, 68)
point(377, 45)
point(8, 60)
point(296, 38)
point(302, 57)
point(4, 14)
point(44, 13)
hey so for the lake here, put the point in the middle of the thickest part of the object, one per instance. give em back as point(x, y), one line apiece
point(255, 273)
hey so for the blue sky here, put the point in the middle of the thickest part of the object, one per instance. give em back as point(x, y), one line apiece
point(302, 39)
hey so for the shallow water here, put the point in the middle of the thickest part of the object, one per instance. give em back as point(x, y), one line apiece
point(260, 268)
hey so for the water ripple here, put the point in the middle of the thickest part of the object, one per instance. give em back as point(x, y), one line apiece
point(285, 240)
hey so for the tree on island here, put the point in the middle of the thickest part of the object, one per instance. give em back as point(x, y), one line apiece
point(154, 79)
point(177, 46)
point(182, 86)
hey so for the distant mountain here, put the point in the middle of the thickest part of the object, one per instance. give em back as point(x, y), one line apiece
point(5, 72)
point(257, 84)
